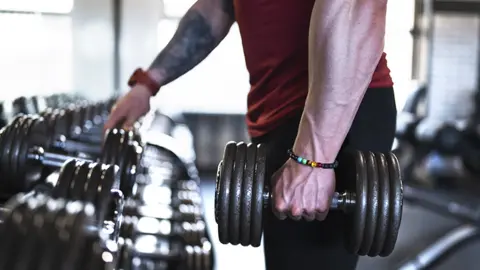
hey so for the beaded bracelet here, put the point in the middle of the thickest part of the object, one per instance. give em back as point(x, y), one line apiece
point(311, 163)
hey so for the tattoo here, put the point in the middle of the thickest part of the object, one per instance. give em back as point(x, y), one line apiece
point(228, 7)
point(190, 45)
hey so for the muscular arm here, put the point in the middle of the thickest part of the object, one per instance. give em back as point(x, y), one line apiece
point(202, 28)
point(345, 45)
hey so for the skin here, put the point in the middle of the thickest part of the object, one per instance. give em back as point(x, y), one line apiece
point(345, 45)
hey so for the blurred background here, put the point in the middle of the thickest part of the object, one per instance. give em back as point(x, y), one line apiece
point(92, 46)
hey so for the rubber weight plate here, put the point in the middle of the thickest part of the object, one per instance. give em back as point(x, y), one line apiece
point(258, 203)
point(224, 183)
point(79, 182)
point(396, 204)
point(247, 192)
point(65, 178)
point(372, 204)
point(352, 169)
point(383, 206)
point(234, 211)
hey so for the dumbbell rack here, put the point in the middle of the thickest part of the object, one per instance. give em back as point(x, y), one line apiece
point(186, 238)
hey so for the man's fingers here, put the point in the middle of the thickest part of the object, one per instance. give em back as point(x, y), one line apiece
point(117, 116)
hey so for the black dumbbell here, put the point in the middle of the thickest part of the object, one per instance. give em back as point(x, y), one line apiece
point(155, 252)
point(87, 182)
point(192, 233)
point(183, 212)
point(372, 199)
point(43, 233)
point(24, 155)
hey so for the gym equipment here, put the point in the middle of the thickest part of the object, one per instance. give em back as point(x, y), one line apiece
point(24, 156)
point(155, 194)
point(183, 212)
point(192, 233)
point(372, 201)
point(43, 233)
point(152, 251)
point(82, 181)
point(449, 140)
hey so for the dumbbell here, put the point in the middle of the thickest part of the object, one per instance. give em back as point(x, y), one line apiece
point(24, 156)
point(87, 182)
point(149, 251)
point(183, 212)
point(372, 201)
point(154, 194)
point(43, 233)
point(192, 233)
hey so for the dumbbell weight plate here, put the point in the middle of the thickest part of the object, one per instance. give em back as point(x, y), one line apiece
point(258, 196)
point(94, 178)
point(224, 192)
point(65, 177)
point(129, 171)
point(24, 175)
point(7, 145)
point(18, 134)
point(104, 188)
point(49, 232)
point(36, 249)
point(396, 206)
point(247, 192)
point(372, 203)
point(7, 245)
point(383, 206)
point(353, 166)
point(79, 182)
point(236, 194)
point(29, 237)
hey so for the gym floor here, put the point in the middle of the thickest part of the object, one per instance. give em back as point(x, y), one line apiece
point(419, 229)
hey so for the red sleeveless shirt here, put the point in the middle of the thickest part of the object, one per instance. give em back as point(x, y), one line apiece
point(275, 43)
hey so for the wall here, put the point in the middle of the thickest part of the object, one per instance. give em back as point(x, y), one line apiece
point(68, 49)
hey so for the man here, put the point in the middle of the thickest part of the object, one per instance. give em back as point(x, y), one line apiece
point(310, 64)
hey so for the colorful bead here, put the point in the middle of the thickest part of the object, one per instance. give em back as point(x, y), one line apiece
point(311, 163)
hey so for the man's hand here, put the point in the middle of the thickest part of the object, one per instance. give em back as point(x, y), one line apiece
point(302, 191)
point(130, 108)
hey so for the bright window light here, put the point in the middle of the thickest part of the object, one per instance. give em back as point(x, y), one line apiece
point(42, 6)
point(176, 8)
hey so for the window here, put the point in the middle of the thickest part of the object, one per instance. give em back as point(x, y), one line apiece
point(36, 54)
point(41, 6)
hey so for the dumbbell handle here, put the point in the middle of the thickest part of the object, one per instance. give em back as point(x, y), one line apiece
point(340, 201)
point(70, 146)
point(50, 159)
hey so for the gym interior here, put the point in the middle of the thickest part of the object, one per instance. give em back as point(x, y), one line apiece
point(65, 63)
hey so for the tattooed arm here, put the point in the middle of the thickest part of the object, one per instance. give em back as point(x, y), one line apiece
point(200, 31)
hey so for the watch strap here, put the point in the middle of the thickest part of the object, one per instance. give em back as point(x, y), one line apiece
point(140, 76)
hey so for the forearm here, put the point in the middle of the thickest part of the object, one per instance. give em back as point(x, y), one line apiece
point(200, 31)
point(345, 45)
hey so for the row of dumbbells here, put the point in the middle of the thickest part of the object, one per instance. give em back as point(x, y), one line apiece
point(76, 174)
point(37, 104)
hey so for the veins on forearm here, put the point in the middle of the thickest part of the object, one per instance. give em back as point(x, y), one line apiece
point(191, 44)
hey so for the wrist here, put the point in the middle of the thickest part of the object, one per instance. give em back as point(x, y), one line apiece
point(144, 79)
point(312, 145)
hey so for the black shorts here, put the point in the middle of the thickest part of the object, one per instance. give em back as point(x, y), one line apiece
point(301, 245)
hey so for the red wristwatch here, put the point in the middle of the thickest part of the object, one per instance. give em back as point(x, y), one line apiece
point(139, 76)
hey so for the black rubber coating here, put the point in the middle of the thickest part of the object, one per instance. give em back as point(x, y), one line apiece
point(234, 210)
point(396, 206)
point(224, 191)
point(247, 191)
point(383, 206)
